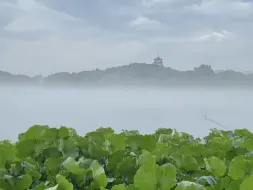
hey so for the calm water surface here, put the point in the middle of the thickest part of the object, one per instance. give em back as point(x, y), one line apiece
point(142, 109)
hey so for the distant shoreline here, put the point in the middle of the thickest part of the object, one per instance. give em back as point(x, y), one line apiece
point(136, 74)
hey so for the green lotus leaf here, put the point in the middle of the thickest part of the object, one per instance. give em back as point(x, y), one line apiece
point(40, 186)
point(215, 166)
point(127, 167)
point(25, 148)
point(237, 167)
point(84, 163)
point(156, 177)
point(117, 142)
point(185, 162)
point(223, 183)
point(63, 183)
point(53, 166)
point(98, 148)
point(243, 133)
point(72, 166)
point(7, 182)
point(247, 183)
point(107, 132)
point(52, 152)
point(118, 187)
point(68, 148)
point(56, 187)
point(131, 187)
point(23, 182)
point(164, 131)
point(98, 175)
point(146, 158)
point(113, 162)
point(219, 146)
point(36, 132)
point(248, 144)
point(63, 133)
point(7, 153)
point(147, 142)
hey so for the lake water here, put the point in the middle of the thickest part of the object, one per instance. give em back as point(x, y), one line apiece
point(142, 109)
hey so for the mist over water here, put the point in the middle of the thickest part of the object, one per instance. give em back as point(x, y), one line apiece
point(124, 108)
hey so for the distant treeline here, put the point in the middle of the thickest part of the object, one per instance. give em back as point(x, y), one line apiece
point(136, 74)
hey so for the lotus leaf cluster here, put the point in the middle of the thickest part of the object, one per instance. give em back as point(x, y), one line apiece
point(45, 158)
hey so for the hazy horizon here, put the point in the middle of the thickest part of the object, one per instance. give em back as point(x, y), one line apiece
point(49, 36)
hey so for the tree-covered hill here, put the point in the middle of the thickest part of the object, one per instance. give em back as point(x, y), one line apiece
point(137, 74)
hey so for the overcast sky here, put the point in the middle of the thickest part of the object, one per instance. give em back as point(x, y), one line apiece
point(46, 36)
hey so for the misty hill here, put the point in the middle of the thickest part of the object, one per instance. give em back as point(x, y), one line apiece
point(137, 74)
point(148, 74)
point(127, 74)
point(6, 77)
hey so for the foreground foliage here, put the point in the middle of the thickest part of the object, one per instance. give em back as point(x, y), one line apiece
point(59, 159)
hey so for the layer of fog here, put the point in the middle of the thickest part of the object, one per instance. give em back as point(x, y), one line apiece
point(124, 108)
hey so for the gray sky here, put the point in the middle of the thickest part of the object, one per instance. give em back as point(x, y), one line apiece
point(46, 36)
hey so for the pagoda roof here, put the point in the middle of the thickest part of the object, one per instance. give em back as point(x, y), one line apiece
point(158, 58)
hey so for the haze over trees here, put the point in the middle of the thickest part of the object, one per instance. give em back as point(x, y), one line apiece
point(135, 74)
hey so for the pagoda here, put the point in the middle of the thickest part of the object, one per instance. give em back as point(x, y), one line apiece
point(158, 61)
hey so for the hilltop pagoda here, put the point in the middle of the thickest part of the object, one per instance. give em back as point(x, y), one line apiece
point(158, 61)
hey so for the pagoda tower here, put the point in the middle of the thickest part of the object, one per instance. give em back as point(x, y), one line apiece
point(158, 61)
